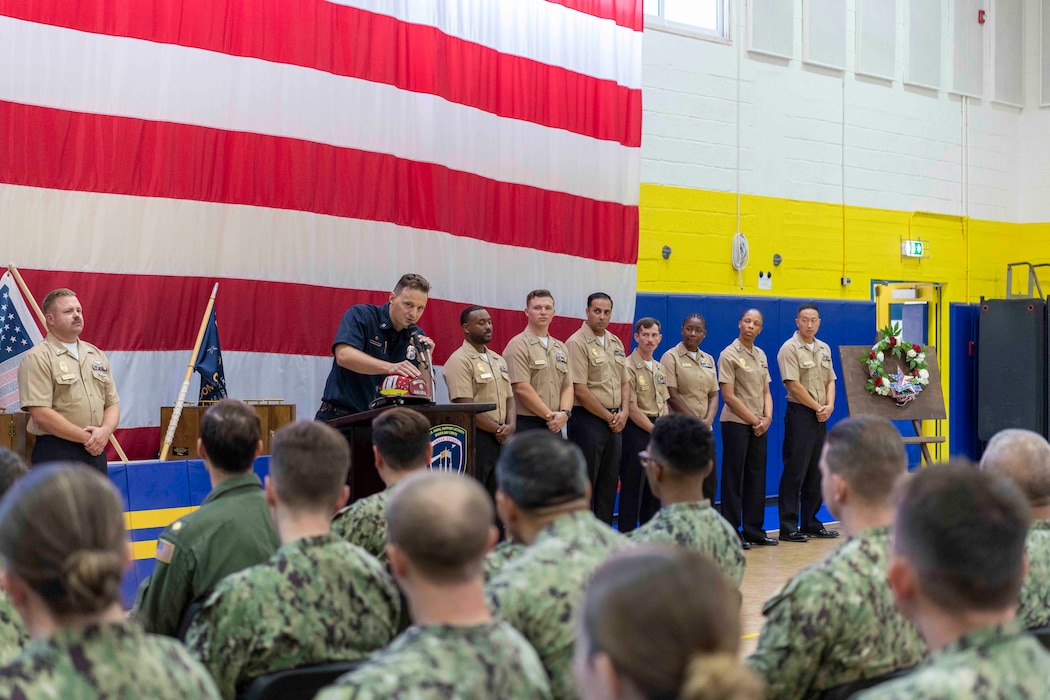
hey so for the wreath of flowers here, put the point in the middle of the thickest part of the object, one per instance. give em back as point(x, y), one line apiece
point(905, 385)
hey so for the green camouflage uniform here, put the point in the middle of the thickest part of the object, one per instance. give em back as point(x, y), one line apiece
point(231, 531)
point(1035, 593)
point(696, 526)
point(317, 599)
point(538, 592)
point(499, 556)
point(13, 635)
point(835, 622)
point(443, 661)
point(994, 663)
point(115, 660)
point(363, 523)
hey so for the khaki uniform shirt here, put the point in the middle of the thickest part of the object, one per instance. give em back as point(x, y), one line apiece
point(602, 367)
point(468, 375)
point(545, 368)
point(695, 379)
point(811, 368)
point(78, 389)
point(648, 386)
point(748, 372)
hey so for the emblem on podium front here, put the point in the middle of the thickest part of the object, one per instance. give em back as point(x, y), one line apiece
point(450, 447)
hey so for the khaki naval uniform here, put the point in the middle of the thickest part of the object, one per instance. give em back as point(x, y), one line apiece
point(78, 388)
point(649, 392)
point(695, 378)
point(546, 369)
point(602, 367)
point(743, 452)
point(803, 433)
point(483, 379)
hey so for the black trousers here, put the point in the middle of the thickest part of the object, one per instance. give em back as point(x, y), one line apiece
point(800, 482)
point(601, 448)
point(711, 484)
point(744, 478)
point(486, 453)
point(637, 503)
point(523, 423)
point(49, 448)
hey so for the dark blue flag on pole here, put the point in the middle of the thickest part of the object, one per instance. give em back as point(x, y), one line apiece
point(209, 363)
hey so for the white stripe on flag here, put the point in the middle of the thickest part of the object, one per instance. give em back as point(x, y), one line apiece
point(221, 240)
point(536, 29)
point(163, 82)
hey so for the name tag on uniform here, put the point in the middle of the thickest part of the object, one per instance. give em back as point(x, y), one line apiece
point(539, 363)
point(687, 364)
point(807, 364)
point(67, 377)
point(486, 375)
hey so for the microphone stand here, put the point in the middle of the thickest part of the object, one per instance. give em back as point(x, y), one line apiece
point(424, 349)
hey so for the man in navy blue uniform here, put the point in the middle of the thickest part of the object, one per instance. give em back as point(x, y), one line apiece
point(373, 342)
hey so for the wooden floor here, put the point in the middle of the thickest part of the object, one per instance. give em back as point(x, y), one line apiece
point(767, 570)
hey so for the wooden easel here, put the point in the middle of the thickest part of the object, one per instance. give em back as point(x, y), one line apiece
point(928, 405)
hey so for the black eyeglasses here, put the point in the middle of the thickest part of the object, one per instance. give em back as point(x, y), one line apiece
point(646, 458)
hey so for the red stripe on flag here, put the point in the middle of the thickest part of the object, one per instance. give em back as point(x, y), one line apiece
point(120, 155)
point(144, 443)
point(157, 312)
point(626, 13)
point(395, 53)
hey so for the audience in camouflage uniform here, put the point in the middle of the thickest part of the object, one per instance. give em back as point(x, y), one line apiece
point(835, 622)
point(958, 562)
point(400, 446)
point(64, 548)
point(680, 456)
point(439, 527)
point(317, 599)
point(1024, 457)
point(544, 500)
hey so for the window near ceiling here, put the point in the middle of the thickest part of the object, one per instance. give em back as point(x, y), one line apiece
point(705, 18)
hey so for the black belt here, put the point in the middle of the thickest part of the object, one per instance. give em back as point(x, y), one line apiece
point(334, 408)
point(652, 417)
point(613, 410)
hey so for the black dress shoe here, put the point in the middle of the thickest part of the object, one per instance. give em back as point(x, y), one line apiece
point(821, 533)
point(744, 544)
point(762, 541)
point(793, 537)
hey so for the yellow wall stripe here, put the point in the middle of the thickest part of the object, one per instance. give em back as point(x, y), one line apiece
point(144, 550)
point(162, 517)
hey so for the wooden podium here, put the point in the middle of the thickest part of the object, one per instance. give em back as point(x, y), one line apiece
point(13, 434)
point(928, 405)
point(184, 444)
point(452, 434)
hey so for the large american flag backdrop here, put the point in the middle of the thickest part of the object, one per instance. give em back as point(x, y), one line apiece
point(304, 154)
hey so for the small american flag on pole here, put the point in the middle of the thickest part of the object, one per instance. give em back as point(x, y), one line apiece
point(18, 333)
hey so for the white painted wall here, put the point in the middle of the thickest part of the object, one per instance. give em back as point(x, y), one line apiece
point(906, 148)
point(1034, 141)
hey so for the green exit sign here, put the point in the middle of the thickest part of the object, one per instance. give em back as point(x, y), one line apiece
point(913, 249)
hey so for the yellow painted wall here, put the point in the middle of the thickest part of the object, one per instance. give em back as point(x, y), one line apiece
point(821, 243)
